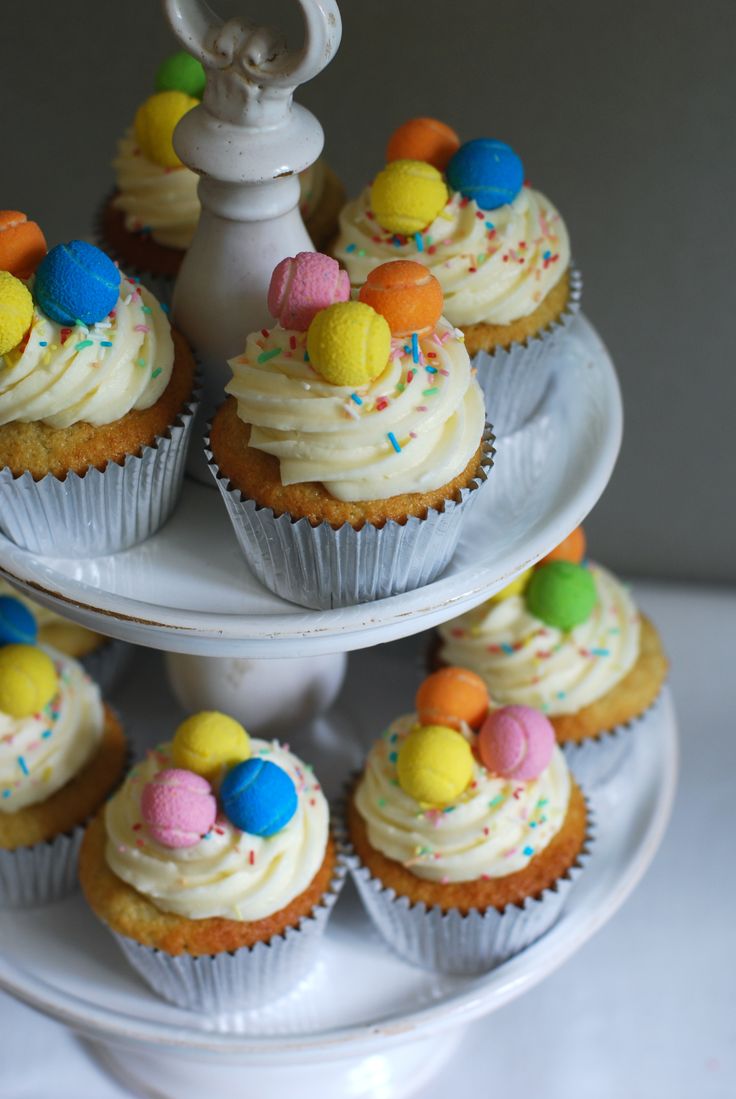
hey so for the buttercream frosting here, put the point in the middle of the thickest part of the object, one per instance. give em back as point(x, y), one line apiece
point(228, 873)
point(96, 374)
point(494, 266)
point(493, 829)
point(525, 662)
point(412, 429)
point(41, 753)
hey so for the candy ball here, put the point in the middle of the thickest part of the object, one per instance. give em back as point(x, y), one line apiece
point(155, 122)
point(406, 294)
point(22, 244)
point(407, 196)
point(17, 624)
point(435, 764)
point(208, 741)
point(16, 311)
point(178, 808)
point(516, 587)
point(349, 343)
point(516, 742)
point(425, 139)
point(181, 73)
point(76, 282)
point(561, 594)
point(451, 696)
point(258, 797)
point(28, 680)
point(486, 171)
point(571, 548)
point(301, 285)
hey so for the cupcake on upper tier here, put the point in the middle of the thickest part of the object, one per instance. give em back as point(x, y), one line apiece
point(150, 220)
point(568, 638)
point(498, 247)
point(95, 406)
point(467, 828)
point(214, 868)
point(353, 438)
point(61, 753)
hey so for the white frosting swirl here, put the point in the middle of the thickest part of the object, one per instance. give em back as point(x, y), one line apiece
point(494, 266)
point(98, 374)
point(41, 753)
point(412, 429)
point(526, 663)
point(165, 202)
point(228, 873)
point(494, 829)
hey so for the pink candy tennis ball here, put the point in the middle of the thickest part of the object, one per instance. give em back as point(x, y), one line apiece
point(516, 742)
point(302, 285)
point(178, 807)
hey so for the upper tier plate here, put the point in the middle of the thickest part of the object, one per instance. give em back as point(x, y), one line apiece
point(188, 589)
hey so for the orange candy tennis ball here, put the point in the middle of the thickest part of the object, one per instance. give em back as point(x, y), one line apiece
point(406, 294)
point(571, 549)
point(451, 696)
point(22, 244)
point(423, 139)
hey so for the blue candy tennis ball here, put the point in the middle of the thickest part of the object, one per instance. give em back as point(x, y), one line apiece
point(17, 624)
point(76, 282)
point(258, 797)
point(181, 73)
point(487, 171)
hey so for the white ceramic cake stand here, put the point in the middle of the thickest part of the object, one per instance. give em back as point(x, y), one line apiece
point(189, 589)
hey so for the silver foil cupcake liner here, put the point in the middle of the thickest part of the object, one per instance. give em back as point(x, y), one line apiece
point(161, 286)
point(98, 512)
point(514, 380)
point(241, 979)
point(597, 759)
point(321, 567)
point(463, 945)
point(42, 873)
point(108, 663)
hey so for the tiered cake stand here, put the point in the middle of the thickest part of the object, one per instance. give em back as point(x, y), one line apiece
point(363, 1023)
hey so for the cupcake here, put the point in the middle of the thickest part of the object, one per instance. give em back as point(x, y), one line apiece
point(61, 753)
point(353, 438)
point(565, 637)
point(95, 407)
point(149, 221)
point(498, 247)
point(104, 659)
point(466, 828)
point(214, 867)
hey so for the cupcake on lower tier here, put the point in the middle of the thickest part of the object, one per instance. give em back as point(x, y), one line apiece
point(353, 440)
point(214, 868)
point(61, 753)
point(499, 248)
point(465, 844)
point(568, 638)
point(96, 407)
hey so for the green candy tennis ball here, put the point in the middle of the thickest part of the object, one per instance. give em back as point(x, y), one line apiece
point(181, 73)
point(561, 594)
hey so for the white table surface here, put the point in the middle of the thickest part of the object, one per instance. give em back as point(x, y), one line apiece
point(646, 1009)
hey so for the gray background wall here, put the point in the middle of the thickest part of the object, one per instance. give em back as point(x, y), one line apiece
point(623, 113)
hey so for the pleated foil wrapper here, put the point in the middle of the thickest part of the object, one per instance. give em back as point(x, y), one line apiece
point(42, 873)
point(161, 286)
point(597, 759)
point(323, 568)
point(515, 380)
point(453, 943)
point(108, 663)
point(98, 512)
point(244, 978)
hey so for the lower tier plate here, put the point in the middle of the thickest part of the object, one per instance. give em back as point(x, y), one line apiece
point(189, 589)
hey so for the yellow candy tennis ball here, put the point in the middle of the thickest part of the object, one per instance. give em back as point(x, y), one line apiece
point(28, 680)
point(16, 311)
point(155, 122)
point(407, 196)
point(435, 764)
point(516, 587)
point(349, 343)
point(209, 741)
